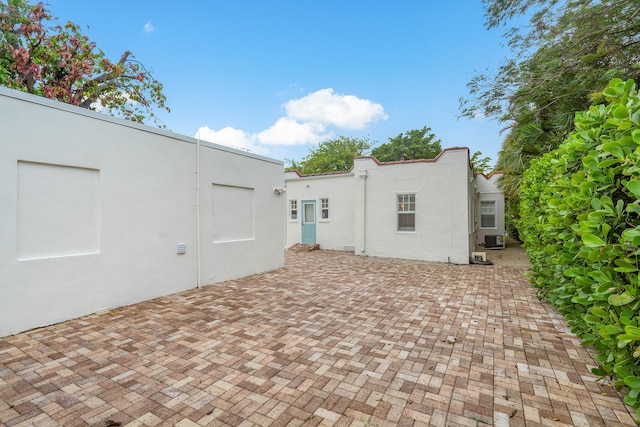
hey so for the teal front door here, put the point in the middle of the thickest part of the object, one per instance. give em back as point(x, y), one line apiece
point(308, 222)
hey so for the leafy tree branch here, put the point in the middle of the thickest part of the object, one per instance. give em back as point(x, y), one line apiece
point(42, 57)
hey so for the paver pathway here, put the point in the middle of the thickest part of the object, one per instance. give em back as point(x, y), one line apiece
point(331, 339)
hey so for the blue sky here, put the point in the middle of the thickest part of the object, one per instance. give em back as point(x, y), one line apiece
point(277, 77)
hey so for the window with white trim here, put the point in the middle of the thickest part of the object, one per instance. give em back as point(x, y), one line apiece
point(324, 208)
point(406, 209)
point(488, 214)
point(293, 208)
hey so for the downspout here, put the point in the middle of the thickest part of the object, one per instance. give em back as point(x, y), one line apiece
point(363, 176)
point(197, 212)
point(286, 217)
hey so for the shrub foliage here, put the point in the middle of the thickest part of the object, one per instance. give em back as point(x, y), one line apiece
point(580, 225)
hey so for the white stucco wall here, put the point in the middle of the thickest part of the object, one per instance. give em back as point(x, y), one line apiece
point(335, 233)
point(250, 238)
point(441, 189)
point(488, 190)
point(364, 208)
point(92, 209)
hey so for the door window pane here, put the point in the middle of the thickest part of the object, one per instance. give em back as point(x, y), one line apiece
point(309, 213)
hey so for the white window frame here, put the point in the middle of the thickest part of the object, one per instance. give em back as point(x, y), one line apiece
point(405, 206)
point(293, 210)
point(484, 213)
point(324, 209)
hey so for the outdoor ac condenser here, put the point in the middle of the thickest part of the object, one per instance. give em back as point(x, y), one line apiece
point(494, 241)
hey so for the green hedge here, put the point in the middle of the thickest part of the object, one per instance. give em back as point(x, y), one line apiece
point(580, 225)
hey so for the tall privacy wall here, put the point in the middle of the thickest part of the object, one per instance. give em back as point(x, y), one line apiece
point(98, 212)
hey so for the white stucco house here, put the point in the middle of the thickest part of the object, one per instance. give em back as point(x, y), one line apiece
point(98, 212)
point(432, 209)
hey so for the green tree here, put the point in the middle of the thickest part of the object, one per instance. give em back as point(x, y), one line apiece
point(39, 56)
point(334, 155)
point(481, 164)
point(560, 64)
point(413, 144)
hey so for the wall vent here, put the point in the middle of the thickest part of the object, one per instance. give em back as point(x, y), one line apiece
point(350, 248)
point(181, 249)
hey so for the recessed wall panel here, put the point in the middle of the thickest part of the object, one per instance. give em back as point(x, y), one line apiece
point(233, 213)
point(58, 211)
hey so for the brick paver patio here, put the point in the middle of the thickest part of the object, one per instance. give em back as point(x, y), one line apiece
point(331, 339)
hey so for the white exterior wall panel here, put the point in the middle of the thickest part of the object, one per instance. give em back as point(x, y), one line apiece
point(441, 209)
point(334, 233)
point(445, 212)
point(131, 190)
point(488, 190)
point(225, 253)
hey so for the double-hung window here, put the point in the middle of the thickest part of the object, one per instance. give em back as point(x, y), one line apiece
point(406, 209)
point(488, 214)
point(293, 208)
point(324, 208)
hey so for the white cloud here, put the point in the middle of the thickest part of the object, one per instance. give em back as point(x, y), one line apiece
point(231, 137)
point(97, 105)
point(287, 131)
point(341, 111)
point(307, 122)
point(148, 28)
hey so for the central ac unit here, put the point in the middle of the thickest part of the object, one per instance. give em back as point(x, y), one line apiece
point(493, 241)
